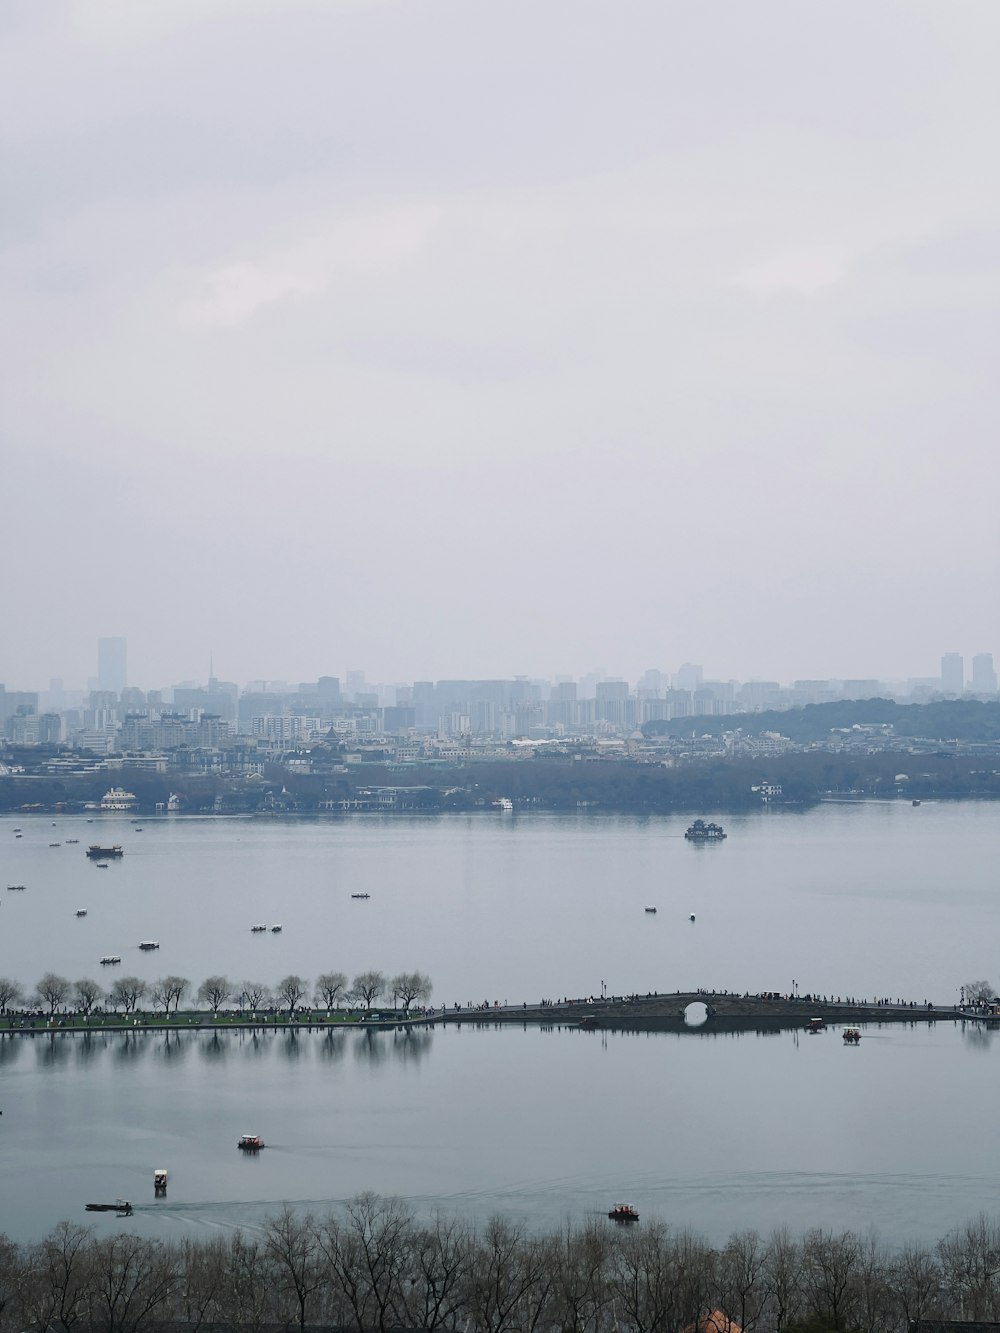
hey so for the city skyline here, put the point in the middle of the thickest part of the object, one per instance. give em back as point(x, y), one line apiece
point(959, 673)
point(499, 340)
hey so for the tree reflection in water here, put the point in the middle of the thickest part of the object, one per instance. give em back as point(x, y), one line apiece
point(215, 1046)
point(10, 1049)
point(977, 1037)
point(369, 1049)
point(332, 1046)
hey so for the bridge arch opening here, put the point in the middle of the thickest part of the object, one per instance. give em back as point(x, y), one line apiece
point(696, 1014)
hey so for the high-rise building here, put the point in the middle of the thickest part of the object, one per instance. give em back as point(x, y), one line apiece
point(111, 658)
point(952, 674)
point(984, 676)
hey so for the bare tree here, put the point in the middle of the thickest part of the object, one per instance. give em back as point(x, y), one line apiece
point(743, 1288)
point(330, 987)
point(132, 1279)
point(215, 991)
point(255, 994)
point(126, 992)
point(511, 1278)
point(970, 1260)
point(248, 1280)
point(54, 991)
point(367, 987)
point(645, 1280)
point(59, 1278)
point(979, 992)
point(831, 1271)
point(411, 986)
point(289, 991)
point(916, 1279)
point(169, 991)
point(86, 995)
point(440, 1260)
point(581, 1292)
point(294, 1250)
point(367, 1255)
point(201, 1268)
point(783, 1278)
point(10, 993)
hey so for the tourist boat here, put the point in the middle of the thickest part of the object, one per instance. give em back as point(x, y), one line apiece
point(275, 930)
point(250, 1142)
point(71, 842)
point(81, 911)
point(120, 1206)
point(650, 909)
point(55, 844)
point(110, 959)
point(146, 945)
point(97, 853)
point(699, 831)
point(16, 888)
point(623, 1212)
point(255, 930)
point(852, 1036)
point(816, 1025)
point(159, 1181)
point(360, 895)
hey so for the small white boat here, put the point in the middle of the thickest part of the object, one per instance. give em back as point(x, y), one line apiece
point(852, 1036)
point(275, 930)
point(109, 959)
point(146, 945)
point(81, 911)
point(255, 930)
point(650, 909)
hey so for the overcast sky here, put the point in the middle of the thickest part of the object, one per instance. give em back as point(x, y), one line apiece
point(448, 338)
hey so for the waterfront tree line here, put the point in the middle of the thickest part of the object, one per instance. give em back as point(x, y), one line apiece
point(127, 995)
point(373, 1266)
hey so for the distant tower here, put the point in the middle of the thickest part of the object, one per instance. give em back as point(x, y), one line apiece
point(952, 674)
point(111, 673)
point(984, 676)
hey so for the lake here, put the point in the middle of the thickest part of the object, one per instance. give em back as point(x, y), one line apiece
point(549, 1125)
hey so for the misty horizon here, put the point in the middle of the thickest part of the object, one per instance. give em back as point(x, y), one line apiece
point(469, 340)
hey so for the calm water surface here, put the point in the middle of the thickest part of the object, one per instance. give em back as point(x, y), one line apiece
point(715, 1132)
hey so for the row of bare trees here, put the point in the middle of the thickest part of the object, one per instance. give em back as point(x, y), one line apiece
point(373, 1267)
point(56, 994)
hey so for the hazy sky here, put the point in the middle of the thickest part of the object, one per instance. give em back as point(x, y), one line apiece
point(450, 338)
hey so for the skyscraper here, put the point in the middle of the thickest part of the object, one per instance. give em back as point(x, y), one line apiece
point(111, 673)
point(952, 674)
point(984, 676)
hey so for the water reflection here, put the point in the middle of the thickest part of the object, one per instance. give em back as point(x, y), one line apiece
point(411, 1045)
point(977, 1036)
point(10, 1048)
point(214, 1047)
point(51, 1052)
point(291, 1047)
point(370, 1049)
point(172, 1047)
point(254, 1042)
point(129, 1047)
point(332, 1047)
point(88, 1047)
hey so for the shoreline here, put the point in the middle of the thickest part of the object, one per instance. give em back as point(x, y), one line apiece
point(649, 1013)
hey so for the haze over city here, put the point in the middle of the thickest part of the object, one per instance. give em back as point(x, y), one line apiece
point(478, 340)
